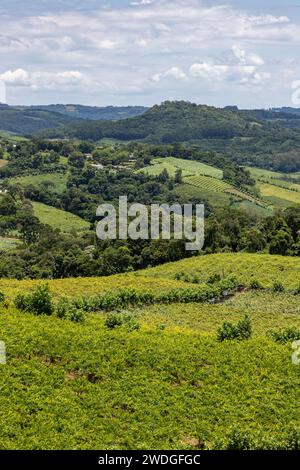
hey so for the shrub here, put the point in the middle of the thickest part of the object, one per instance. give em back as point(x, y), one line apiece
point(39, 302)
point(2, 297)
point(278, 287)
point(297, 291)
point(68, 310)
point(241, 331)
point(214, 278)
point(255, 284)
point(131, 323)
point(113, 320)
point(284, 336)
point(62, 308)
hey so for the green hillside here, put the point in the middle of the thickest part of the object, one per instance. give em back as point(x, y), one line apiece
point(70, 385)
point(57, 218)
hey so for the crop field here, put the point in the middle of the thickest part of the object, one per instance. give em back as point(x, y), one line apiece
point(272, 191)
point(57, 218)
point(169, 384)
point(220, 186)
point(188, 167)
point(264, 268)
point(57, 181)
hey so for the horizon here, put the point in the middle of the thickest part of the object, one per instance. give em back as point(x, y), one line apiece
point(147, 107)
point(142, 52)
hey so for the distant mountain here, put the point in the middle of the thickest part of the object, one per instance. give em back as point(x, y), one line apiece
point(25, 121)
point(287, 110)
point(168, 122)
point(31, 119)
point(94, 113)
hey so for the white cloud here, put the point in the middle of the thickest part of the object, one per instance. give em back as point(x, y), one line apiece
point(42, 80)
point(209, 71)
point(245, 58)
point(173, 72)
point(133, 49)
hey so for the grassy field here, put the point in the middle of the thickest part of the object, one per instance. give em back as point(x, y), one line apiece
point(188, 167)
point(168, 385)
point(269, 191)
point(57, 218)
point(58, 181)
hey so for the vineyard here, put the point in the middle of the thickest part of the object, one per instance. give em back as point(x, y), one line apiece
point(90, 385)
point(220, 186)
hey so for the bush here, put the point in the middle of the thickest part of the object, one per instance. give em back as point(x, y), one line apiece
point(284, 336)
point(68, 310)
point(278, 287)
point(39, 302)
point(214, 278)
point(297, 291)
point(255, 284)
point(113, 320)
point(2, 298)
point(241, 331)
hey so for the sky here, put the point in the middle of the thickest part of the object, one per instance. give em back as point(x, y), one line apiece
point(143, 52)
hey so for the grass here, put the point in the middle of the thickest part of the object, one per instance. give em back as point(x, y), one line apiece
point(3, 163)
point(270, 191)
point(57, 218)
point(58, 181)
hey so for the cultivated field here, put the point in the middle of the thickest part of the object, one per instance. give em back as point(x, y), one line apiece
point(168, 384)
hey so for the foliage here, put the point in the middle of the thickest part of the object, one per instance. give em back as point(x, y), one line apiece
point(241, 331)
point(285, 336)
point(39, 302)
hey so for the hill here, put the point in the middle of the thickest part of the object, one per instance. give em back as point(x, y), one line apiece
point(25, 121)
point(57, 218)
point(90, 385)
point(107, 113)
point(262, 138)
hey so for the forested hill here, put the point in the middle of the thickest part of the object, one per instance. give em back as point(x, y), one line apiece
point(107, 113)
point(29, 120)
point(257, 137)
point(25, 121)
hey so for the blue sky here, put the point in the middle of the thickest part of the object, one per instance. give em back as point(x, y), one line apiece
point(142, 52)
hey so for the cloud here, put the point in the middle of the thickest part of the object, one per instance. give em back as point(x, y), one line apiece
point(42, 80)
point(173, 72)
point(209, 71)
point(133, 49)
